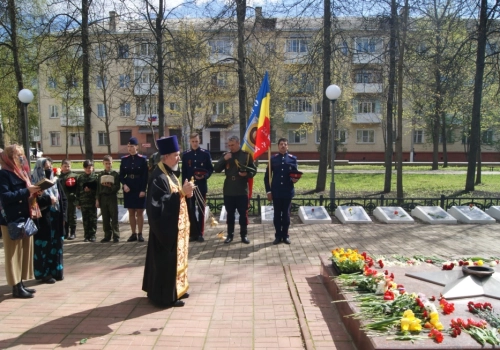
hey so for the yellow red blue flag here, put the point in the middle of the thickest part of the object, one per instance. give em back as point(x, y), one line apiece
point(258, 134)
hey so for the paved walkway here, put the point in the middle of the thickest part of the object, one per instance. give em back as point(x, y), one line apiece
point(256, 296)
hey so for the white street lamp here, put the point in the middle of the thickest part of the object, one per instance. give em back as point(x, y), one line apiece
point(26, 96)
point(333, 93)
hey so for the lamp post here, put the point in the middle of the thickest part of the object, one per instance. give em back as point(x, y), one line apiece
point(333, 93)
point(26, 96)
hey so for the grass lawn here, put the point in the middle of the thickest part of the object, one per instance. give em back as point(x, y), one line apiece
point(364, 185)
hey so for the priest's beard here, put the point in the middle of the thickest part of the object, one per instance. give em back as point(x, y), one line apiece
point(175, 167)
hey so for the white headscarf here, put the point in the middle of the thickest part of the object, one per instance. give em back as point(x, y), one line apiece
point(39, 174)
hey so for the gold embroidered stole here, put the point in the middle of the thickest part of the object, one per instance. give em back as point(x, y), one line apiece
point(182, 283)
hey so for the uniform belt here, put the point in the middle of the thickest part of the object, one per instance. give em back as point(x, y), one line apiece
point(132, 176)
point(233, 178)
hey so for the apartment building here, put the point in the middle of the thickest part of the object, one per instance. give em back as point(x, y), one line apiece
point(201, 91)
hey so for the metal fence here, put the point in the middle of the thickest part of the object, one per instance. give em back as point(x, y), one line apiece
point(368, 203)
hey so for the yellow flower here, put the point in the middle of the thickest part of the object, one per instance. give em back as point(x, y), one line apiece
point(415, 325)
point(409, 314)
point(405, 324)
point(480, 263)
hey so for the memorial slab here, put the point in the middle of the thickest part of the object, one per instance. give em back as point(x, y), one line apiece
point(267, 214)
point(433, 215)
point(354, 214)
point(314, 215)
point(494, 211)
point(393, 215)
point(470, 215)
point(223, 215)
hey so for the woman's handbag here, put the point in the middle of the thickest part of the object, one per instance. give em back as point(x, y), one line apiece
point(21, 228)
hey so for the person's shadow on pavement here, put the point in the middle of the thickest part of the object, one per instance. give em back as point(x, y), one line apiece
point(82, 327)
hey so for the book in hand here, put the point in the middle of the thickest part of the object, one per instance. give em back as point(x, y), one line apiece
point(107, 179)
point(44, 184)
point(91, 185)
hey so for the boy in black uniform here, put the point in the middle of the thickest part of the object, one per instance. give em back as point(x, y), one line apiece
point(197, 164)
point(108, 185)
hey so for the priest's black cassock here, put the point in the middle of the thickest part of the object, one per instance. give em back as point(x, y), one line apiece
point(165, 273)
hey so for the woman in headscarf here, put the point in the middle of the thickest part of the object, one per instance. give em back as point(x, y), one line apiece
point(48, 254)
point(18, 198)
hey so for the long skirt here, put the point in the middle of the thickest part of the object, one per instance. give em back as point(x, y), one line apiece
point(48, 256)
point(18, 258)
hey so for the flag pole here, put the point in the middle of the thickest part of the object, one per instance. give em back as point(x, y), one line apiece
point(269, 164)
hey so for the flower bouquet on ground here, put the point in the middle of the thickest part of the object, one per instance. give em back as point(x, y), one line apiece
point(346, 261)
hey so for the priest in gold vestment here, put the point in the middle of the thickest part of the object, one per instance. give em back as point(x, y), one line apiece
point(165, 274)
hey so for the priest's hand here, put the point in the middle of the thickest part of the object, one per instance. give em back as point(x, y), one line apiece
point(187, 188)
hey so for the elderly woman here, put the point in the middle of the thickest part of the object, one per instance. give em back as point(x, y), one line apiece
point(18, 199)
point(48, 252)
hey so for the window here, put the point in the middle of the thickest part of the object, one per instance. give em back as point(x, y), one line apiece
point(364, 107)
point(344, 48)
point(144, 75)
point(100, 52)
point(101, 81)
point(301, 83)
point(146, 49)
point(55, 138)
point(174, 106)
point(449, 137)
point(298, 105)
point(297, 45)
point(270, 48)
point(297, 136)
point(51, 83)
point(487, 137)
point(418, 136)
point(368, 77)
point(220, 108)
point(53, 111)
point(125, 135)
point(365, 136)
point(103, 138)
point(365, 44)
point(220, 47)
point(340, 136)
point(273, 136)
point(491, 48)
point(101, 113)
point(147, 105)
point(123, 51)
point(75, 139)
point(125, 109)
point(124, 81)
point(220, 80)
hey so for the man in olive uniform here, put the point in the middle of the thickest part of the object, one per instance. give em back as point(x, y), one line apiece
point(238, 166)
point(107, 200)
point(85, 200)
point(67, 180)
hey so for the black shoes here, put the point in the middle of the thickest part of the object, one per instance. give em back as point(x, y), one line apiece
point(86, 240)
point(185, 296)
point(71, 237)
point(104, 240)
point(140, 238)
point(116, 240)
point(277, 241)
point(92, 239)
point(287, 240)
point(19, 292)
point(49, 279)
point(132, 238)
point(244, 239)
point(229, 239)
point(29, 290)
point(201, 239)
point(178, 303)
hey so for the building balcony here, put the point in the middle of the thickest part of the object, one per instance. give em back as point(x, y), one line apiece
point(219, 121)
point(367, 88)
point(146, 119)
point(298, 117)
point(75, 120)
point(367, 118)
point(145, 89)
point(365, 58)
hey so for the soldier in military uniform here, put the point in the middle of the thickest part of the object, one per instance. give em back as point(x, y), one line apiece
point(107, 200)
point(281, 189)
point(238, 166)
point(68, 184)
point(197, 164)
point(134, 178)
point(85, 200)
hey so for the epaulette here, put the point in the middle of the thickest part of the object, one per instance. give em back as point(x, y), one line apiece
point(128, 155)
point(203, 150)
point(291, 155)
